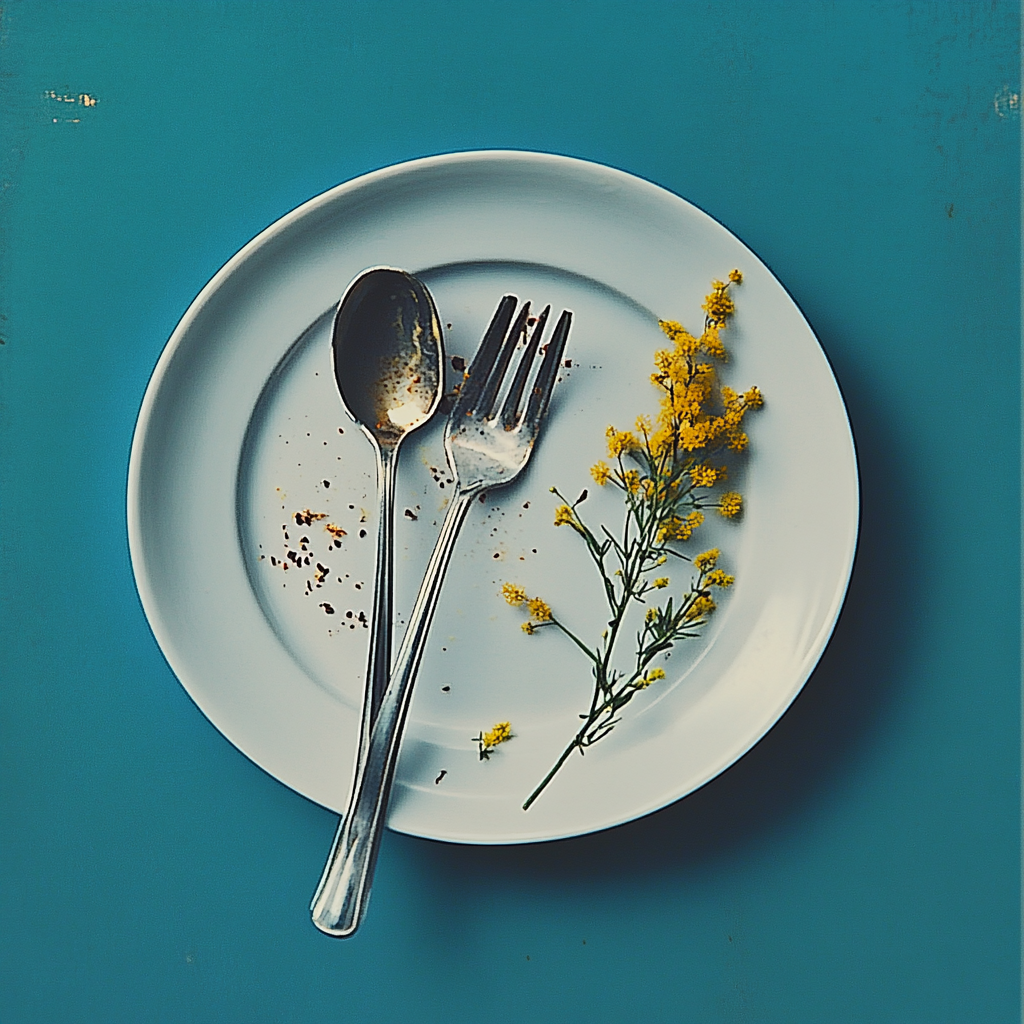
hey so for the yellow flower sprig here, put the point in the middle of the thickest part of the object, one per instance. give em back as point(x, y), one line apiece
point(667, 470)
point(487, 742)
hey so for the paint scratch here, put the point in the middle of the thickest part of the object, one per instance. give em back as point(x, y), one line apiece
point(1007, 102)
point(81, 99)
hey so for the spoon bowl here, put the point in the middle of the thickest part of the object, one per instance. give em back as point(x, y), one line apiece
point(388, 354)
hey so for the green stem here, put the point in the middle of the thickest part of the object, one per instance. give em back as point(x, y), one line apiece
point(551, 774)
point(577, 641)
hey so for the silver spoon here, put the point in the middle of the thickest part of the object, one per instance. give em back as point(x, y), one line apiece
point(388, 365)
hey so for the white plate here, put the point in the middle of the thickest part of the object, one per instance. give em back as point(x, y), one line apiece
point(241, 425)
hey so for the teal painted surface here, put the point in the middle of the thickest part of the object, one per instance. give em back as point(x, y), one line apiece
point(862, 862)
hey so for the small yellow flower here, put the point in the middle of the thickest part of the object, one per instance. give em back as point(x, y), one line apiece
point(753, 398)
point(513, 593)
point(540, 611)
point(730, 505)
point(711, 340)
point(651, 614)
point(685, 343)
point(644, 425)
point(631, 479)
point(563, 515)
point(670, 530)
point(527, 628)
point(718, 305)
point(718, 578)
point(660, 583)
point(680, 529)
point(500, 732)
point(620, 442)
point(650, 677)
point(600, 472)
point(736, 277)
point(703, 476)
point(700, 609)
point(662, 364)
point(707, 559)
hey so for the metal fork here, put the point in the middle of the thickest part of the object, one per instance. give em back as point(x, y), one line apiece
point(488, 441)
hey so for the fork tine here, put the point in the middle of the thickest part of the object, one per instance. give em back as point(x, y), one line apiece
point(545, 383)
point(486, 403)
point(510, 410)
point(483, 361)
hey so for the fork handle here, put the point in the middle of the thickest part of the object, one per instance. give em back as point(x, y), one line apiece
point(340, 900)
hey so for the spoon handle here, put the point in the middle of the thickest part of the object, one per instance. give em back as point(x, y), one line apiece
point(340, 900)
point(378, 665)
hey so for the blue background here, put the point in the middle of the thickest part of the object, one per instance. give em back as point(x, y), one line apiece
point(862, 862)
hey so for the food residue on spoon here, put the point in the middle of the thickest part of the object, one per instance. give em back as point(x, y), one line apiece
point(406, 389)
point(406, 415)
